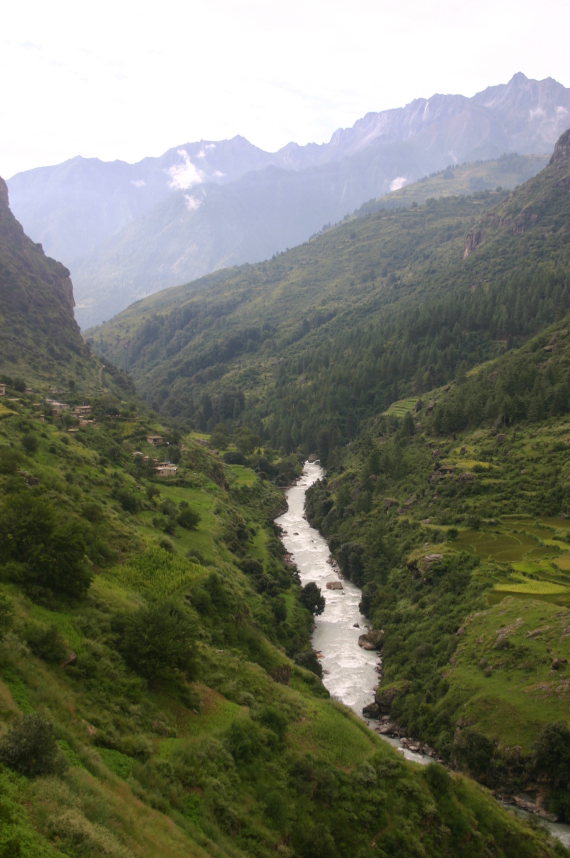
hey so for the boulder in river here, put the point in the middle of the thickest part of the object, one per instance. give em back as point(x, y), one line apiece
point(387, 728)
point(335, 585)
point(372, 639)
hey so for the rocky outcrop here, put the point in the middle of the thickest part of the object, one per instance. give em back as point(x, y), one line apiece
point(372, 640)
point(561, 152)
point(36, 295)
point(472, 241)
point(385, 695)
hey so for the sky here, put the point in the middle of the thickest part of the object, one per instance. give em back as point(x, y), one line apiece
point(121, 79)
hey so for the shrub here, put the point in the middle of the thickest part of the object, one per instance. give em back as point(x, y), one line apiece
point(312, 598)
point(552, 754)
point(128, 501)
point(308, 659)
point(30, 748)
point(6, 615)
point(30, 443)
point(46, 642)
point(188, 518)
point(49, 545)
point(234, 457)
point(156, 639)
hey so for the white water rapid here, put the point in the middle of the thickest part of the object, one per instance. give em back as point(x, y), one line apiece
point(349, 672)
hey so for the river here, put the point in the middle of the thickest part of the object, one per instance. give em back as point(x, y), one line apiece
point(349, 672)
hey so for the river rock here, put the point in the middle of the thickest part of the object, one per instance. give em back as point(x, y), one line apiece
point(385, 695)
point(531, 807)
point(411, 745)
point(371, 710)
point(334, 585)
point(387, 728)
point(373, 639)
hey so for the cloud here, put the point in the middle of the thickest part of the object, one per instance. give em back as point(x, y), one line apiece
point(536, 113)
point(186, 174)
point(192, 203)
point(398, 183)
point(138, 183)
point(204, 150)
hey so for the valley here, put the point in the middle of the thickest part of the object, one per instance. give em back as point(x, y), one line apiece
point(159, 689)
point(444, 505)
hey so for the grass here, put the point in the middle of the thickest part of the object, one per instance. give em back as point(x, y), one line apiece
point(241, 476)
point(503, 669)
point(532, 587)
point(502, 546)
point(335, 738)
point(402, 407)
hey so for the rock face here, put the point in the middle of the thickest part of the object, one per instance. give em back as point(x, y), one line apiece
point(36, 296)
point(371, 710)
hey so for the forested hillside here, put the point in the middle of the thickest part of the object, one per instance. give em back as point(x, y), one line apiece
point(309, 344)
point(451, 511)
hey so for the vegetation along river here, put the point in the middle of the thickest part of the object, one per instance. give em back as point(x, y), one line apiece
point(349, 671)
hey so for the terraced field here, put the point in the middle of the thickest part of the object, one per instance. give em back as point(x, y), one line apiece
point(535, 553)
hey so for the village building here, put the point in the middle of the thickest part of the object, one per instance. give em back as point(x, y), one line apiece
point(2, 390)
point(57, 407)
point(165, 469)
point(155, 440)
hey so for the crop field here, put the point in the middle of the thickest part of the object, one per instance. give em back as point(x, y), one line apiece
point(531, 551)
point(503, 546)
point(402, 407)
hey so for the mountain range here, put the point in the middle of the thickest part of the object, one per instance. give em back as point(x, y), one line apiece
point(128, 230)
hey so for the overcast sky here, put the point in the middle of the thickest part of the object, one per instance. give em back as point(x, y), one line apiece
point(121, 79)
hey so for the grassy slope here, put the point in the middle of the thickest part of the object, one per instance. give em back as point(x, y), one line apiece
point(506, 172)
point(221, 761)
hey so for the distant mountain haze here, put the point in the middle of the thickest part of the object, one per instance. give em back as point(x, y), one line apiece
point(129, 230)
